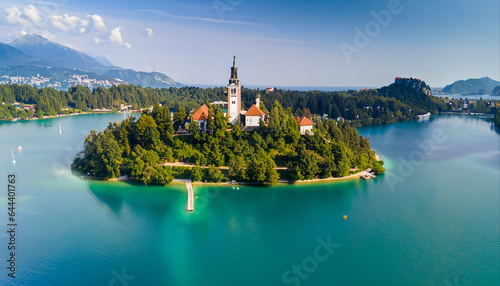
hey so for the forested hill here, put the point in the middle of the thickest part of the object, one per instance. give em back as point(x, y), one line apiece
point(472, 86)
point(396, 102)
point(393, 103)
point(138, 147)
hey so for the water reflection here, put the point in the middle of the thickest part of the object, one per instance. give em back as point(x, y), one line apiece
point(121, 197)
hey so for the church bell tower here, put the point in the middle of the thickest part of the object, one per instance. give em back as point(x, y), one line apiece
point(234, 95)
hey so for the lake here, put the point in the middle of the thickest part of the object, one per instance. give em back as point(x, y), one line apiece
point(432, 219)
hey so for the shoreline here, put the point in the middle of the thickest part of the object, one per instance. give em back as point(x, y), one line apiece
point(63, 115)
point(363, 174)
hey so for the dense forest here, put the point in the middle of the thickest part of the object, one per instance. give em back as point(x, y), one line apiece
point(50, 101)
point(138, 147)
point(396, 102)
point(393, 103)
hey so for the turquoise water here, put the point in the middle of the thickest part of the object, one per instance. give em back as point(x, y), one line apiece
point(432, 219)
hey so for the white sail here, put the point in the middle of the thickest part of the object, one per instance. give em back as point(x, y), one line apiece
point(60, 130)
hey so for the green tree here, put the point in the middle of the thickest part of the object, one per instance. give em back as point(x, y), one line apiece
point(194, 130)
point(308, 163)
point(196, 174)
point(110, 153)
point(180, 118)
point(237, 166)
point(214, 175)
point(163, 175)
point(148, 174)
point(146, 131)
point(272, 176)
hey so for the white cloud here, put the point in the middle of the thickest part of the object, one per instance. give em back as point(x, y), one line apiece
point(64, 22)
point(72, 47)
point(149, 31)
point(47, 35)
point(57, 21)
point(82, 30)
point(211, 20)
point(97, 40)
point(98, 22)
point(116, 37)
point(33, 14)
point(84, 23)
point(14, 16)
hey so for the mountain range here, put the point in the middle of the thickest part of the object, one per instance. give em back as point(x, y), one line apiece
point(33, 56)
point(473, 86)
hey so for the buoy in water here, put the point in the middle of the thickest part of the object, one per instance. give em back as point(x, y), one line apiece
point(345, 216)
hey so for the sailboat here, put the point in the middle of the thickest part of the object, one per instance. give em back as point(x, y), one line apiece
point(13, 162)
point(60, 130)
point(20, 148)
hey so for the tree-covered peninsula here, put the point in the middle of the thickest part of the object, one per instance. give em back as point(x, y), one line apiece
point(147, 148)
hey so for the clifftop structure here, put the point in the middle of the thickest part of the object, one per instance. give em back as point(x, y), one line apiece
point(415, 83)
point(234, 95)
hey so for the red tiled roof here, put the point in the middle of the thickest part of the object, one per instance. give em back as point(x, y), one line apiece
point(254, 111)
point(201, 114)
point(304, 121)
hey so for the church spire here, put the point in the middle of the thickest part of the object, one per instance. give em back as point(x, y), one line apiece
point(234, 73)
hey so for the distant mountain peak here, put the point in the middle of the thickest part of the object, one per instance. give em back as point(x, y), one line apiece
point(35, 47)
point(472, 86)
point(29, 39)
point(62, 56)
point(103, 60)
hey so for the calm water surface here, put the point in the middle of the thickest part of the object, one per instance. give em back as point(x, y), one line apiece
point(432, 219)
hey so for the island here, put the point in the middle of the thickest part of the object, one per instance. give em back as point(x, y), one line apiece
point(232, 133)
point(260, 145)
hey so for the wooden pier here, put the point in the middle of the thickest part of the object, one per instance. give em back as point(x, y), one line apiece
point(190, 202)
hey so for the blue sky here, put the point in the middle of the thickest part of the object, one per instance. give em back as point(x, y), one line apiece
point(277, 43)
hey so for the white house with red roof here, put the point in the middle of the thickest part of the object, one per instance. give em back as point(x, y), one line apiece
point(305, 125)
point(253, 116)
point(201, 117)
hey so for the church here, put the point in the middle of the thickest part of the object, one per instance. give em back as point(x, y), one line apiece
point(249, 118)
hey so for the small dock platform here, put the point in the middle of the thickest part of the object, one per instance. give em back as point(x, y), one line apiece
point(367, 175)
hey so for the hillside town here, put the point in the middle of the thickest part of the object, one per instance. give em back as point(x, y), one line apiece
point(40, 81)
